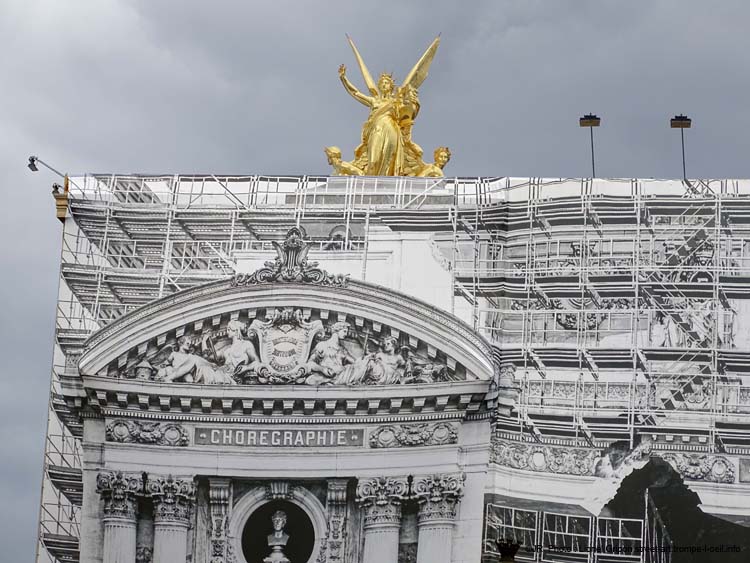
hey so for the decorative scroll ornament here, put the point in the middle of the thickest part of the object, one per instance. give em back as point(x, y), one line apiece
point(549, 459)
point(119, 491)
point(137, 432)
point(382, 498)
point(291, 266)
point(409, 435)
point(279, 490)
point(173, 498)
point(219, 495)
point(336, 507)
point(701, 467)
point(438, 496)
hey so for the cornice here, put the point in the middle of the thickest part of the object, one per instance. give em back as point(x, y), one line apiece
point(439, 401)
point(295, 420)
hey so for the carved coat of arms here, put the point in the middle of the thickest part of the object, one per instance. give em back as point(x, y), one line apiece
point(285, 339)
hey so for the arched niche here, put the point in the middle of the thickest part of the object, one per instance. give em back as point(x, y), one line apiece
point(256, 498)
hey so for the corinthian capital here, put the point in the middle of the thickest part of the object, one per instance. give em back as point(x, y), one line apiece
point(120, 492)
point(438, 496)
point(381, 497)
point(173, 497)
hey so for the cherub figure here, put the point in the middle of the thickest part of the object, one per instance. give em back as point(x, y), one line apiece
point(183, 365)
point(341, 167)
point(435, 170)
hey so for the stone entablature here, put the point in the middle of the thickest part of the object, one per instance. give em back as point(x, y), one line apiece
point(447, 400)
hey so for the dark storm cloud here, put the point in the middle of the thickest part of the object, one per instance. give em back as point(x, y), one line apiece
point(251, 87)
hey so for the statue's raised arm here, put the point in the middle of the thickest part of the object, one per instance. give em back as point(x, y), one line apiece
point(352, 89)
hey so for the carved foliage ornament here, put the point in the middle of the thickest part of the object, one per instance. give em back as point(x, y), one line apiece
point(336, 505)
point(219, 495)
point(291, 265)
point(701, 467)
point(438, 496)
point(173, 498)
point(137, 432)
point(119, 491)
point(143, 554)
point(382, 498)
point(408, 435)
point(550, 459)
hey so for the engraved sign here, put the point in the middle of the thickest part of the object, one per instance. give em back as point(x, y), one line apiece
point(279, 438)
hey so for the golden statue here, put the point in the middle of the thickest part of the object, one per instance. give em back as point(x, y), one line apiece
point(387, 148)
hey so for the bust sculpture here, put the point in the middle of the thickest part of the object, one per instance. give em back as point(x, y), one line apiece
point(277, 540)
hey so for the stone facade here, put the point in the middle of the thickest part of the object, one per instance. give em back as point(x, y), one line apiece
point(378, 422)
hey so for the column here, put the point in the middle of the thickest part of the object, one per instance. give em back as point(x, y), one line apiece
point(438, 496)
point(173, 503)
point(336, 508)
point(219, 495)
point(120, 493)
point(381, 499)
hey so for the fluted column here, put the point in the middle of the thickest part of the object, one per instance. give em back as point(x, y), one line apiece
point(173, 503)
point(120, 493)
point(381, 499)
point(438, 497)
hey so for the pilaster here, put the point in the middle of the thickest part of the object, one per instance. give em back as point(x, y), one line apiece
point(219, 498)
point(336, 508)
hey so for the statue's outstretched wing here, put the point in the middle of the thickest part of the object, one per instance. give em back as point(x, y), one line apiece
point(369, 82)
point(419, 72)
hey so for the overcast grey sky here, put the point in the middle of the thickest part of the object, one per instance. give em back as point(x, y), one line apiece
point(251, 87)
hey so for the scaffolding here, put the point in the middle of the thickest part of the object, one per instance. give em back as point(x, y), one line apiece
point(617, 302)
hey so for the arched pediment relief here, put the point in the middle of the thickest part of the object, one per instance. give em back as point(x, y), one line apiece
point(294, 325)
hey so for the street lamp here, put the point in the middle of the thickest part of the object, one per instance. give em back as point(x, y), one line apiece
point(590, 120)
point(34, 160)
point(61, 199)
point(681, 122)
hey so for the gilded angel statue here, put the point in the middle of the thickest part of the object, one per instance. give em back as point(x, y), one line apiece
point(386, 148)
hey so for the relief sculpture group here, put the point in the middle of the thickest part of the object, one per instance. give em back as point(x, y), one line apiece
point(290, 350)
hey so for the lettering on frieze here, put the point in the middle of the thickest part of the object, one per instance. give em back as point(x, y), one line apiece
point(279, 438)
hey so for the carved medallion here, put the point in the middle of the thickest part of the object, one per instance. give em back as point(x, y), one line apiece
point(409, 435)
point(142, 432)
point(701, 467)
